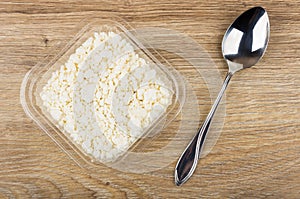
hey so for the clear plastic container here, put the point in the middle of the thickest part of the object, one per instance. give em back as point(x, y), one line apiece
point(155, 147)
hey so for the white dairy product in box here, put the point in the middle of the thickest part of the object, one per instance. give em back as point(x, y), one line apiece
point(105, 96)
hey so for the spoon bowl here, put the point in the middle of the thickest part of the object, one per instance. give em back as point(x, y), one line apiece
point(246, 39)
point(244, 43)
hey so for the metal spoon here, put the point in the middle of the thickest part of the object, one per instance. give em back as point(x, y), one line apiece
point(244, 43)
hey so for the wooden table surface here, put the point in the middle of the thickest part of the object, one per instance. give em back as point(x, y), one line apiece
point(257, 155)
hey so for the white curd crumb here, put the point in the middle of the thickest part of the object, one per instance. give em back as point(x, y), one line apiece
point(105, 96)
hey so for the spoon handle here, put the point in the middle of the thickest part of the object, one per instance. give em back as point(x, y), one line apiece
point(187, 163)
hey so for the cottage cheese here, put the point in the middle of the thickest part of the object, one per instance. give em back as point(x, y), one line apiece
point(105, 96)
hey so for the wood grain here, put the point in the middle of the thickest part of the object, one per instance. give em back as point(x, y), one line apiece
point(257, 155)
